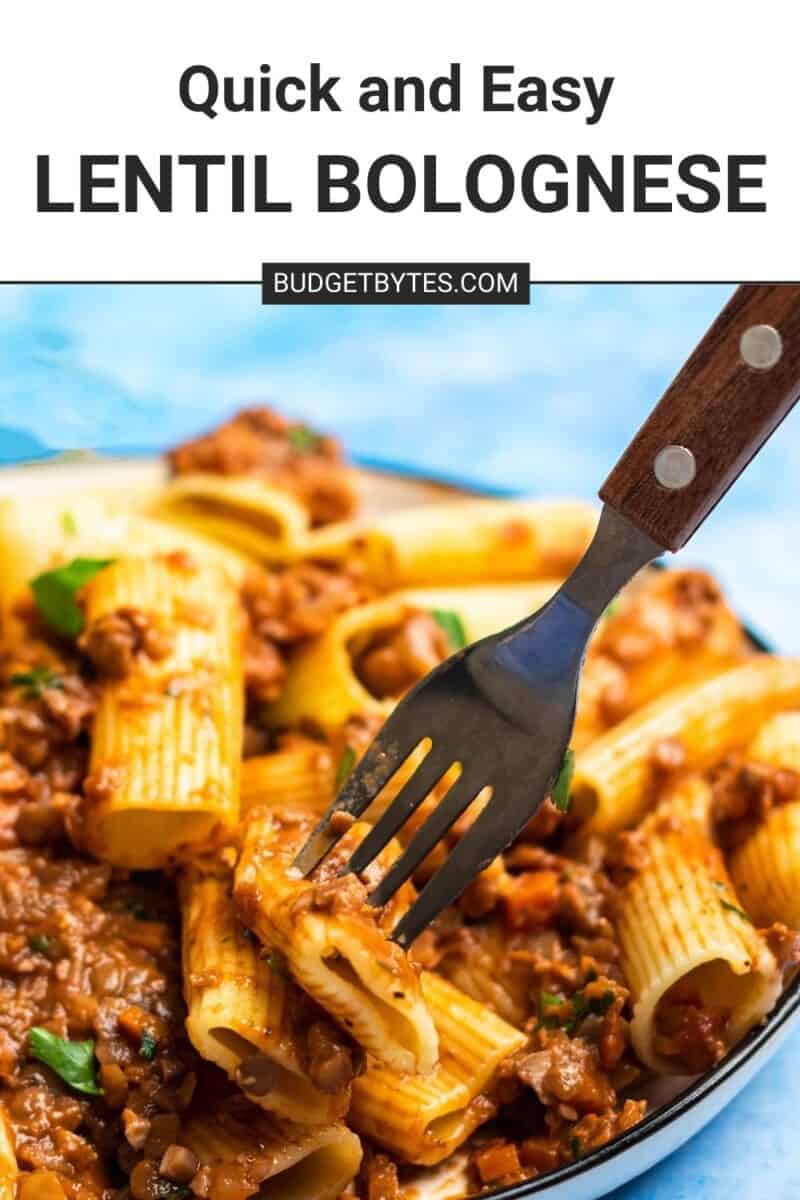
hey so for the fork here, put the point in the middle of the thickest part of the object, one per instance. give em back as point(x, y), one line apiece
point(503, 708)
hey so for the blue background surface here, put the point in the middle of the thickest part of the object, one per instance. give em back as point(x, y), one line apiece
point(541, 398)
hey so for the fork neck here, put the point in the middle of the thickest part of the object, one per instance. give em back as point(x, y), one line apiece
point(617, 551)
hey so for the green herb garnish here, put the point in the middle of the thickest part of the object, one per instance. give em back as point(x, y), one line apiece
point(302, 439)
point(575, 1146)
point(68, 523)
point(452, 625)
point(148, 1046)
point(55, 593)
point(345, 766)
point(611, 609)
point(735, 909)
point(560, 792)
point(139, 911)
point(549, 1000)
point(32, 683)
point(73, 1061)
point(39, 943)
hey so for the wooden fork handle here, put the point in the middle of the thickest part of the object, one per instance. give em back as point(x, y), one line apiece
point(731, 394)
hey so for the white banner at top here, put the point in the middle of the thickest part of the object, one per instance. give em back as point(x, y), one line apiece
point(193, 141)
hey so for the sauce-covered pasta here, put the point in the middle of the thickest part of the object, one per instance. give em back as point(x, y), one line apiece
point(181, 1015)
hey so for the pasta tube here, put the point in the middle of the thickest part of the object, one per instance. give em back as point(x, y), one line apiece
point(265, 522)
point(687, 945)
point(8, 1160)
point(423, 1119)
point(300, 775)
point(766, 867)
point(243, 1148)
point(466, 541)
point(167, 737)
point(324, 686)
point(244, 1014)
point(666, 629)
point(38, 537)
point(336, 946)
point(613, 775)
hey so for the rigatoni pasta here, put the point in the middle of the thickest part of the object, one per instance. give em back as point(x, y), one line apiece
point(245, 1014)
point(59, 528)
point(613, 773)
point(329, 678)
point(238, 1146)
point(8, 1160)
point(688, 947)
point(335, 947)
point(266, 523)
point(766, 866)
point(468, 541)
point(424, 1118)
point(167, 737)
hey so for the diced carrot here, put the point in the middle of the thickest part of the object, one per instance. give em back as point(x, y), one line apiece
point(497, 1161)
point(531, 899)
point(539, 1152)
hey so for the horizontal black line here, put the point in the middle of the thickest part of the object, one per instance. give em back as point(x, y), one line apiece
point(257, 282)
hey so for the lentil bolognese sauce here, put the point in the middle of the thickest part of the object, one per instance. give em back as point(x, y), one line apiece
point(99, 1082)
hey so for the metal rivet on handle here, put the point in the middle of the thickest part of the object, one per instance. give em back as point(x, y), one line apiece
point(761, 347)
point(675, 467)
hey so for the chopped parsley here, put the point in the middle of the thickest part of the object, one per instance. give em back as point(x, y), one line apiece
point(39, 943)
point(68, 523)
point(597, 1006)
point(735, 909)
point(575, 1146)
point(560, 792)
point(549, 1000)
point(345, 765)
point(302, 439)
point(32, 683)
point(148, 1046)
point(140, 911)
point(55, 593)
point(611, 610)
point(452, 625)
point(573, 1010)
point(73, 1061)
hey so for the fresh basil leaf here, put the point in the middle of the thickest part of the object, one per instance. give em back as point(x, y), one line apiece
point(735, 909)
point(302, 439)
point(560, 792)
point(39, 943)
point(148, 1046)
point(33, 682)
point(345, 765)
point(68, 523)
point(55, 593)
point(73, 1061)
point(452, 625)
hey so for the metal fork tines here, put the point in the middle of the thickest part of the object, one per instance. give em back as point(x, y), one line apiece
point(502, 710)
